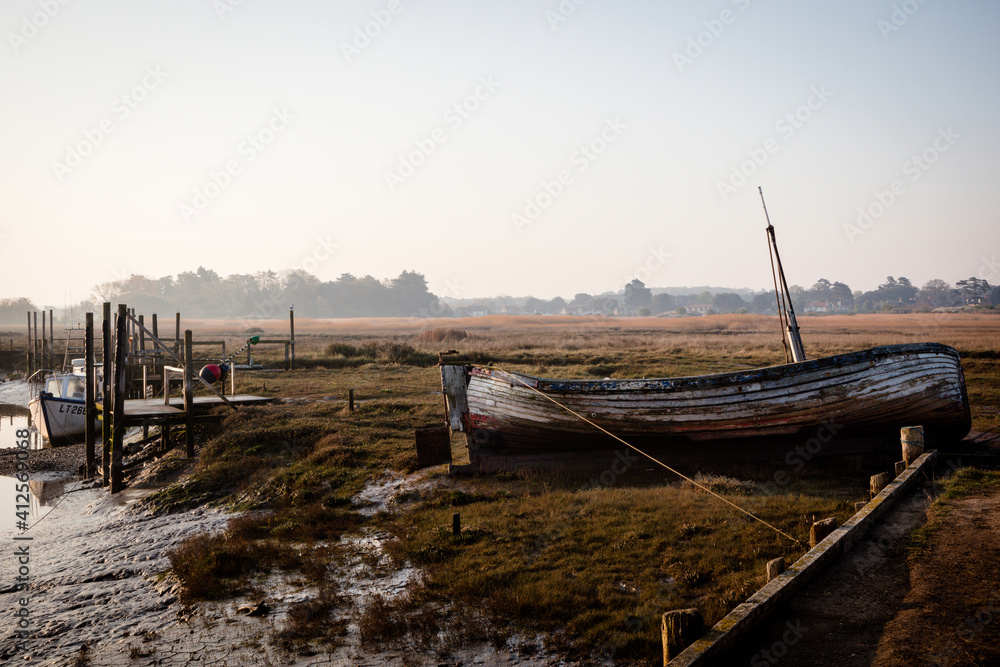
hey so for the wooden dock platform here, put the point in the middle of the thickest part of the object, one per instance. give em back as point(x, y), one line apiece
point(146, 408)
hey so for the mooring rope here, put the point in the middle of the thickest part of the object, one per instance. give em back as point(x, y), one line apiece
point(651, 458)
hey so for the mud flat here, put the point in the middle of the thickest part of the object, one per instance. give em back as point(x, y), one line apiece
point(98, 591)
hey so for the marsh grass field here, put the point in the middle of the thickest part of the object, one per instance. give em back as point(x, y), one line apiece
point(587, 567)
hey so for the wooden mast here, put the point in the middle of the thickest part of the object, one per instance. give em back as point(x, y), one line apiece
point(786, 312)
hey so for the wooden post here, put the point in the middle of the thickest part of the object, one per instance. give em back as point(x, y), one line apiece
point(900, 467)
point(860, 505)
point(38, 357)
point(177, 333)
point(820, 529)
point(142, 359)
point(291, 336)
point(91, 394)
point(680, 629)
point(456, 524)
point(158, 353)
point(350, 400)
point(288, 357)
point(44, 357)
point(28, 360)
point(164, 438)
point(879, 482)
point(120, 386)
point(107, 397)
point(188, 395)
point(52, 337)
point(912, 440)
point(775, 567)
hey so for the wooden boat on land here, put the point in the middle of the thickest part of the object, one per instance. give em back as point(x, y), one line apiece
point(880, 388)
point(869, 391)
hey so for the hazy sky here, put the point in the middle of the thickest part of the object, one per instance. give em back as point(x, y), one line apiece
point(508, 147)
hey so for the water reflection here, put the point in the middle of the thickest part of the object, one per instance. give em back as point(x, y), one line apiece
point(41, 497)
point(13, 418)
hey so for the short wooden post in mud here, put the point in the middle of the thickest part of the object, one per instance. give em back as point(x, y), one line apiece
point(775, 567)
point(164, 438)
point(350, 400)
point(860, 505)
point(90, 434)
point(912, 440)
point(118, 412)
point(188, 395)
point(456, 524)
point(291, 337)
point(879, 482)
point(900, 467)
point(108, 398)
point(680, 629)
point(820, 529)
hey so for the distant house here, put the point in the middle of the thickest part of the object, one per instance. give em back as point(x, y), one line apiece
point(818, 307)
point(698, 309)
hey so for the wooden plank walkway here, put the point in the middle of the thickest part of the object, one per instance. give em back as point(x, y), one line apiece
point(140, 408)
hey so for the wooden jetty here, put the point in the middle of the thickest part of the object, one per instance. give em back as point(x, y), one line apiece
point(128, 369)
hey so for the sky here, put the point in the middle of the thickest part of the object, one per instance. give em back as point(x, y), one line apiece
point(518, 147)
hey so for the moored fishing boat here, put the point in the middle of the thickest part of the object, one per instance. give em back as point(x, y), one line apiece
point(59, 409)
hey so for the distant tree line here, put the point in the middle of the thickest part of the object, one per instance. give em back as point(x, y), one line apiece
point(267, 294)
point(894, 295)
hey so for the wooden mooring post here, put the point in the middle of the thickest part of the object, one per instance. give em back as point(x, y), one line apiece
point(27, 346)
point(120, 387)
point(107, 398)
point(91, 394)
point(188, 396)
point(912, 440)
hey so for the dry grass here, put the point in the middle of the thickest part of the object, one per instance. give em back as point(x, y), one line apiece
point(590, 568)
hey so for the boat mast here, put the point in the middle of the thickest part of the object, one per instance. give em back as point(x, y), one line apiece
point(786, 313)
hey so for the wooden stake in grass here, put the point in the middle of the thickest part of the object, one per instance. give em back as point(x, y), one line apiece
point(821, 529)
point(879, 482)
point(680, 628)
point(775, 567)
point(456, 524)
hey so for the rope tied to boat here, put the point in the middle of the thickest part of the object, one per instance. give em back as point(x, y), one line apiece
point(648, 456)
